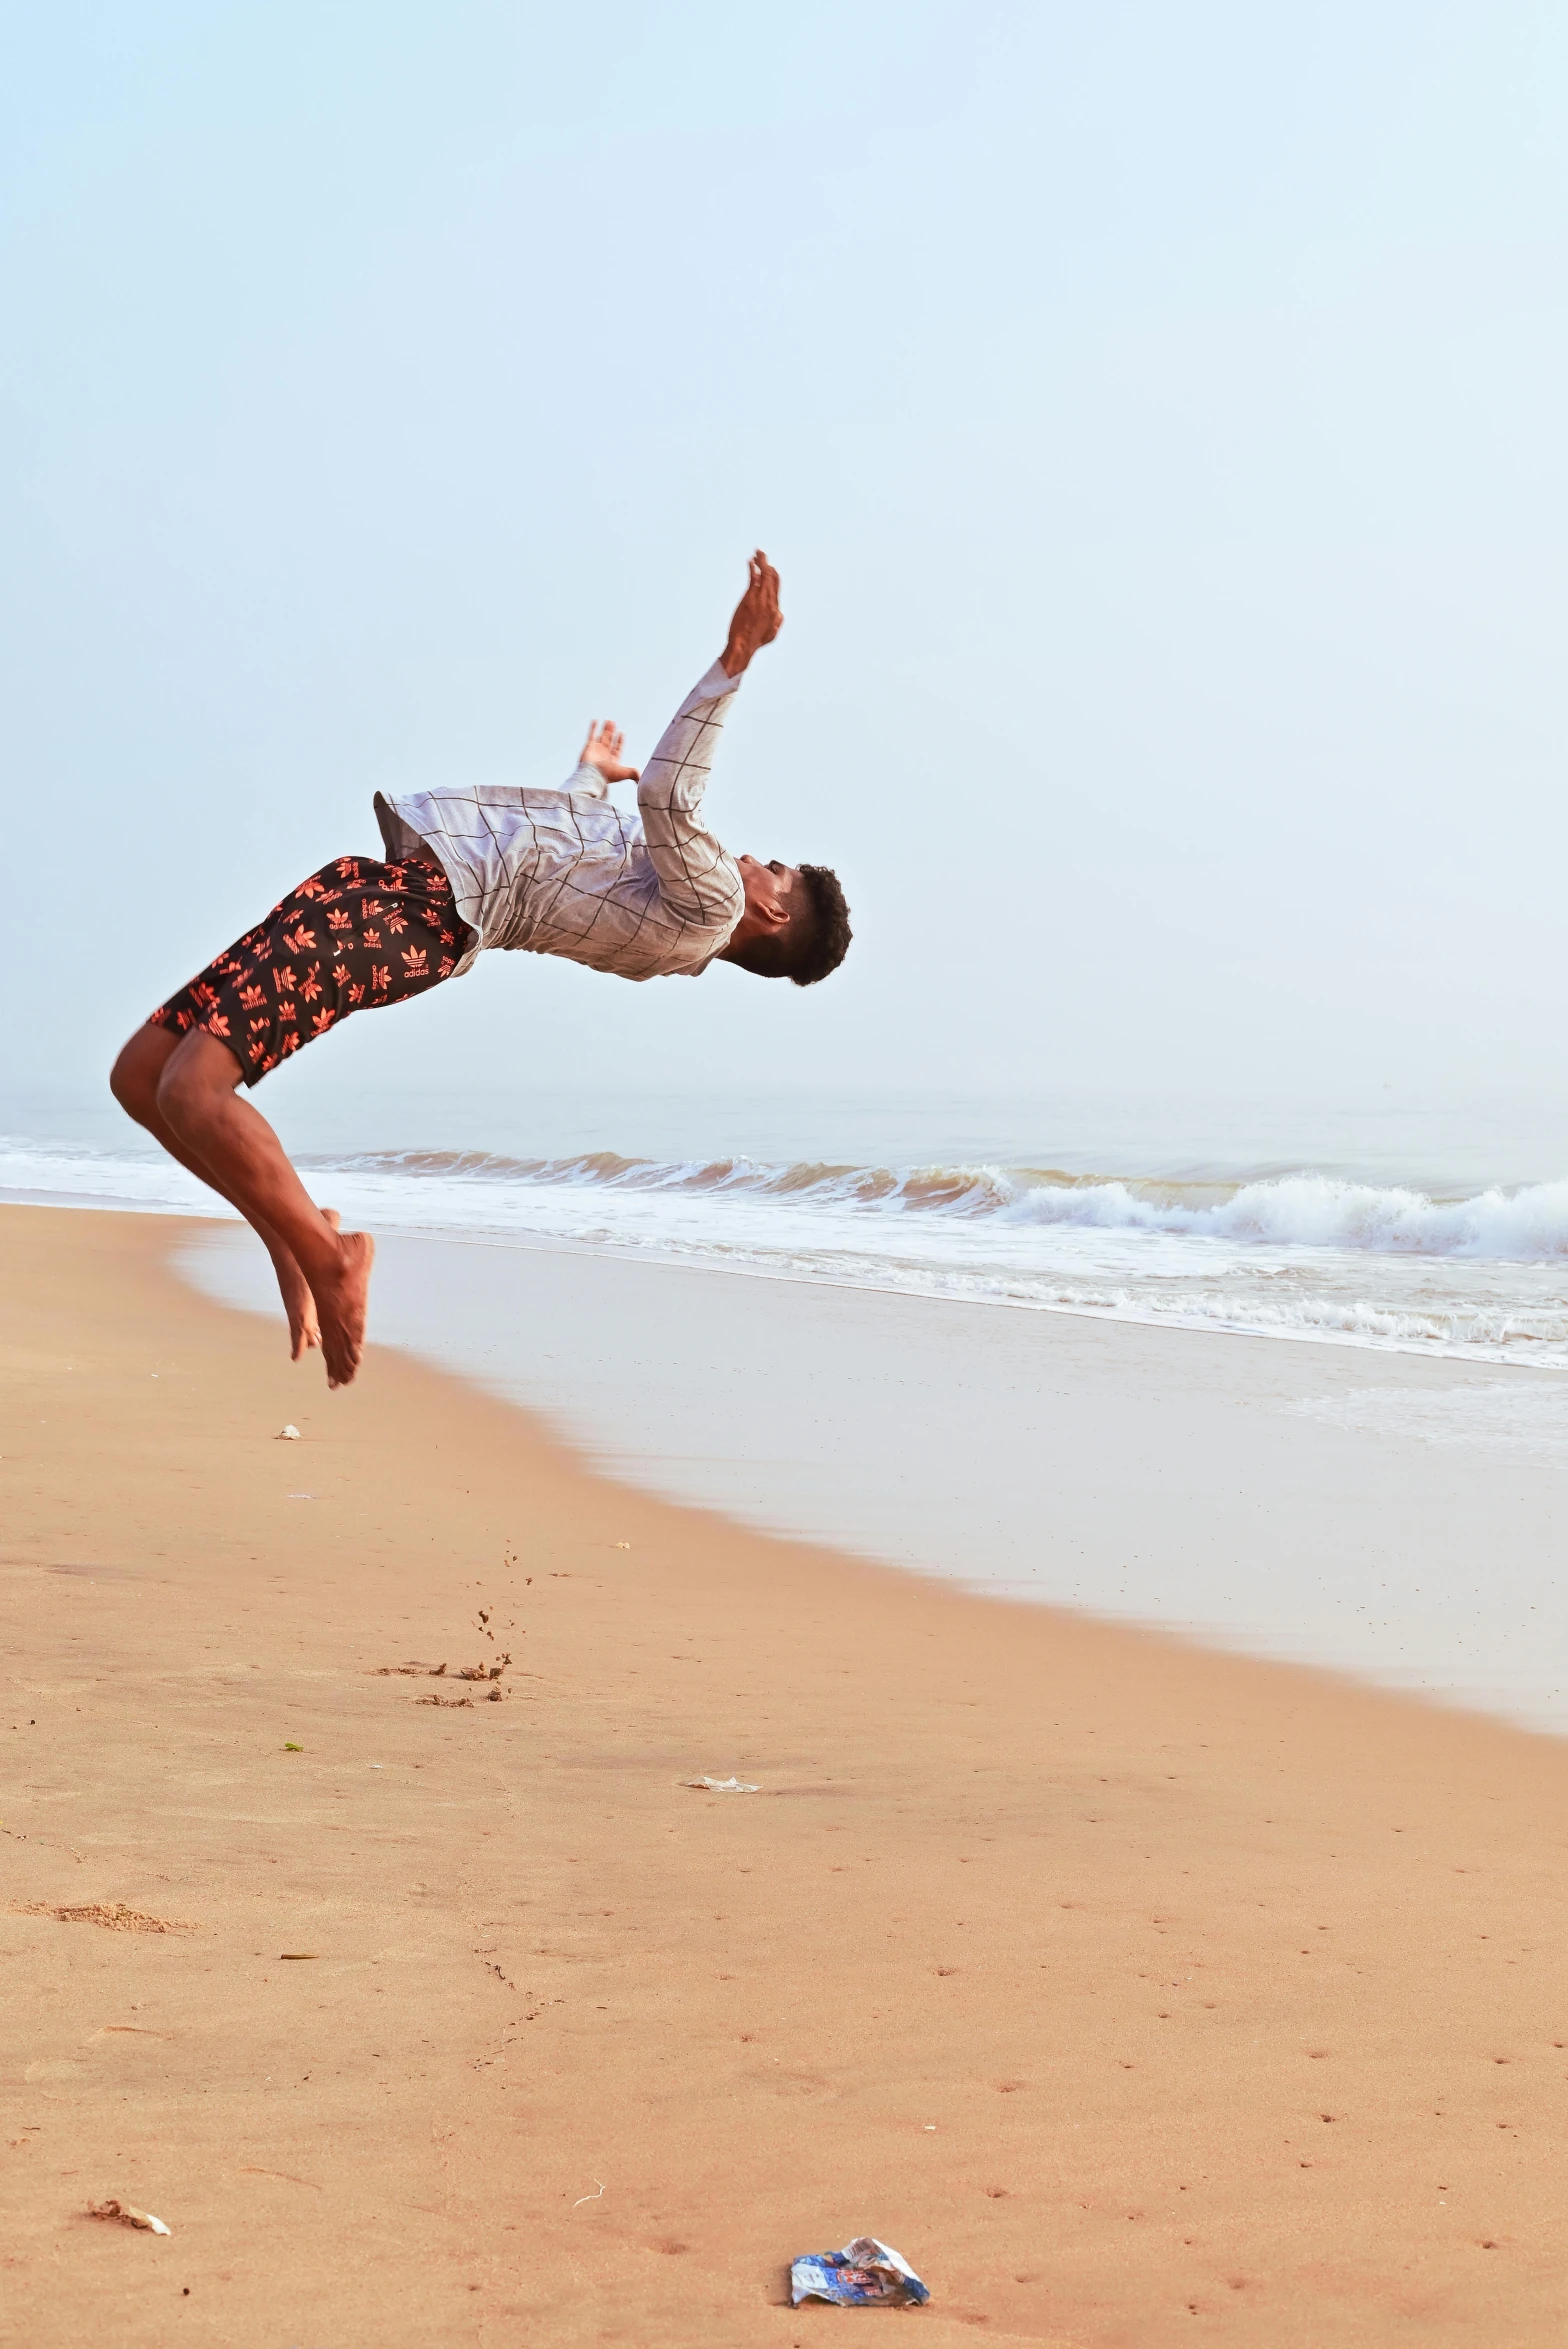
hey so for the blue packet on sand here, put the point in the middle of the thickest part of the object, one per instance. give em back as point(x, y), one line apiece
point(865, 2274)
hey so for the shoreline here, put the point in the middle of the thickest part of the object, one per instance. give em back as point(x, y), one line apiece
point(1466, 1357)
point(1391, 1520)
point(1477, 1294)
point(1136, 1992)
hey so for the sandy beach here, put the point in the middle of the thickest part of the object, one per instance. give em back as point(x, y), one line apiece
point(1137, 1994)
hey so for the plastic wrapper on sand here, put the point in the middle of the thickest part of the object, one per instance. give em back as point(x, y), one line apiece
point(865, 2274)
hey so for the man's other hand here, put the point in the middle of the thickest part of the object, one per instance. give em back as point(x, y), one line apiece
point(757, 616)
point(603, 750)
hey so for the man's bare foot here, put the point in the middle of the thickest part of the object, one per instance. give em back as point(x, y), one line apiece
point(341, 1302)
point(298, 1303)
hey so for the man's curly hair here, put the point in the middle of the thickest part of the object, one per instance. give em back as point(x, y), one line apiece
point(815, 940)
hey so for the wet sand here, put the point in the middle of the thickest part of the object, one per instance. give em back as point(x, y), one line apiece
point(1137, 1994)
point(1390, 1516)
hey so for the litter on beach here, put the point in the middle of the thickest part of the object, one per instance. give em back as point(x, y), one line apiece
point(721, 1785)
point(128, 2216)
point(287, 1435)
point(865, 2274)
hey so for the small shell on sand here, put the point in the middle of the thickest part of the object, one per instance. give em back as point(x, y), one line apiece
point(287, 1435)
point(128, 2216)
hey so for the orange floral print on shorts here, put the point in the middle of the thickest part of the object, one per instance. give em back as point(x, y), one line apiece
point(356, 935)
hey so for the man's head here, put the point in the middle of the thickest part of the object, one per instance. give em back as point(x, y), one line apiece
point(795, 926)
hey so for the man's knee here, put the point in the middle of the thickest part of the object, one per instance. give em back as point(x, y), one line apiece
point(140, 1063)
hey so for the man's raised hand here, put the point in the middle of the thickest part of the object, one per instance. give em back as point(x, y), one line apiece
point(603, 750)
point(756, 622)
point(757, 616)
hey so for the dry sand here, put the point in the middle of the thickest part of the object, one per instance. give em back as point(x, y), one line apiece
point(1138, 1995)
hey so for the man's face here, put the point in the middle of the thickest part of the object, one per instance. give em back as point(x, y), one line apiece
point(770, 888)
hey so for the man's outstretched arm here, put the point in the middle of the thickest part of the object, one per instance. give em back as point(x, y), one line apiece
point(757, 619)
point(697, 880)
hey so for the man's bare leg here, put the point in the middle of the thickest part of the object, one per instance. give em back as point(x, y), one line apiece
point(182, 1089)
point(134, 1084)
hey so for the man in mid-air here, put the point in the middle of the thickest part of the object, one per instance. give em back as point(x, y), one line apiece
point(650, 895)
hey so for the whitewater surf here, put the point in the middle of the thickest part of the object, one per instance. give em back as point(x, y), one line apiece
point(1285, 1253)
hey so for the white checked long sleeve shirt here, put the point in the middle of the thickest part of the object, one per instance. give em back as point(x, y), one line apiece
point(567, 872)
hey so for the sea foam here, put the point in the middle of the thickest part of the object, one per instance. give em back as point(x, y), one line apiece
point(1284, 1254)
point(1303, 1210)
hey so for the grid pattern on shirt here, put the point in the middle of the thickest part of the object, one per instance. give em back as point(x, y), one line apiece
point(568, 873)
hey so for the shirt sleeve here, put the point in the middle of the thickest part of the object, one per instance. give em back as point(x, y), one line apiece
point(698, 881)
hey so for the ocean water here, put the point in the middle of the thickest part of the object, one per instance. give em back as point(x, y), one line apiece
point(1410, 1231)
point(1395, 1517)
point(1338, 1432)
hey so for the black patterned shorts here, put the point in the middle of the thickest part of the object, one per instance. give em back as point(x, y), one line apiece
point(355, 935)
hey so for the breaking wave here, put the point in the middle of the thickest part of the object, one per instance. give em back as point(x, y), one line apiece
point(1301, 1210)
point(1277, 1253)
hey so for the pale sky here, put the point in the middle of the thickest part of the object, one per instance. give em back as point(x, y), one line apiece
point(1157, 414)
